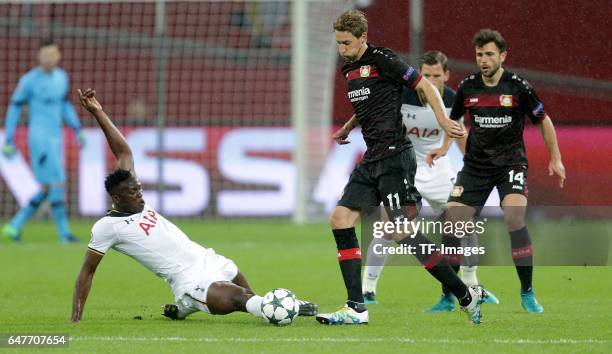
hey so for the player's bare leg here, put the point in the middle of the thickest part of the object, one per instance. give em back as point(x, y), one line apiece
point(343, 218)
point(515, 207)
point(222, 297)
point(225, 297)
point(241, 280)
point(459, 212)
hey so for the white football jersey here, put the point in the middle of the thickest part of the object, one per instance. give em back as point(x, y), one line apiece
point(422, 127)
point(154, 242)
point(423, 130)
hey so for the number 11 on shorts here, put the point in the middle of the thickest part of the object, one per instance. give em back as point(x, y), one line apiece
point(397, 200)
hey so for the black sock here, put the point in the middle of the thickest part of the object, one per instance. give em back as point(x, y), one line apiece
point(349, 257)
point(437, 266)
point(445, 289)
point(522, 254)
point(466, 299)
point(453, 260)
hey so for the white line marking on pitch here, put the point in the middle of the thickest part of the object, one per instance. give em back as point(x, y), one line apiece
point(341, 340)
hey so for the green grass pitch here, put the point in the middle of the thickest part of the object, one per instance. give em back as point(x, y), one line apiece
point(37, 279)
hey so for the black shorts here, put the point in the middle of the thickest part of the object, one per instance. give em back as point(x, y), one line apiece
point(390, 181)
point(473, 187)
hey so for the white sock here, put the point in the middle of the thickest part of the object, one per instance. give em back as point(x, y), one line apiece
point(374, 265)
point(468, 275)
point(253, 305)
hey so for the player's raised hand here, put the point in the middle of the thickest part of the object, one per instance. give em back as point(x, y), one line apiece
point(89, 101)
point(341, 135)
point(454, 129)
point(555, 167)
point(434, 154)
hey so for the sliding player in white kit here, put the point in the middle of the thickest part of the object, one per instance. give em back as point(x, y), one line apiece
point(201, 280)
point(435, 176)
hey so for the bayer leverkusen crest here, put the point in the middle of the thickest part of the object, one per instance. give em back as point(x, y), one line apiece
point(457, 191)
point(364, 71)
point(505, 100)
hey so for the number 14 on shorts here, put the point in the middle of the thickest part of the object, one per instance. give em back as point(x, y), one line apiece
point(518, 177)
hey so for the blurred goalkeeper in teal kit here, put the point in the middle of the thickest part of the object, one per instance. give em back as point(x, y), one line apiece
point(44, 90)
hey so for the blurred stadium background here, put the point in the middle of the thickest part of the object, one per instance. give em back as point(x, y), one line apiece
point(241, 97)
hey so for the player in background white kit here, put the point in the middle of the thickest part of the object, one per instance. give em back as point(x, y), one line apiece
point(201, 280)
point(433, 180)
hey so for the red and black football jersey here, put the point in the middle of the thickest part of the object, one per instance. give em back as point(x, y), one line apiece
point(375, 90)
point(497, 115)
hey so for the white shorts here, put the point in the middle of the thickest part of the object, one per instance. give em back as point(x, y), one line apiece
point(435, 183)
point(215, 268)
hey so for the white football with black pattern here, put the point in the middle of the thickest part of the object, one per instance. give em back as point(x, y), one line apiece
point(280, 307)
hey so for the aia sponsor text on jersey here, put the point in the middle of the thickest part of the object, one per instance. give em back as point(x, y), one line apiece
point(148, 221)
point(424, 133)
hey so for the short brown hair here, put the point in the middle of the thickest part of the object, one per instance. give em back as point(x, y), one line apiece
point(488, 35)
point(353, 21)
point(47, 42)
point(434, 57)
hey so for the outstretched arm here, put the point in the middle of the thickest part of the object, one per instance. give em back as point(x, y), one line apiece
point(341, 134)
point(550, 139)
point(83, 284)
point(452, 128)
point(435, 154)
point(115, 139)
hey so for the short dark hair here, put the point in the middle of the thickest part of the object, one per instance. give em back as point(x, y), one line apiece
point(115, 178)
point(434, 57)
point(487, 35)
point(46, 42)
point(353, 21)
